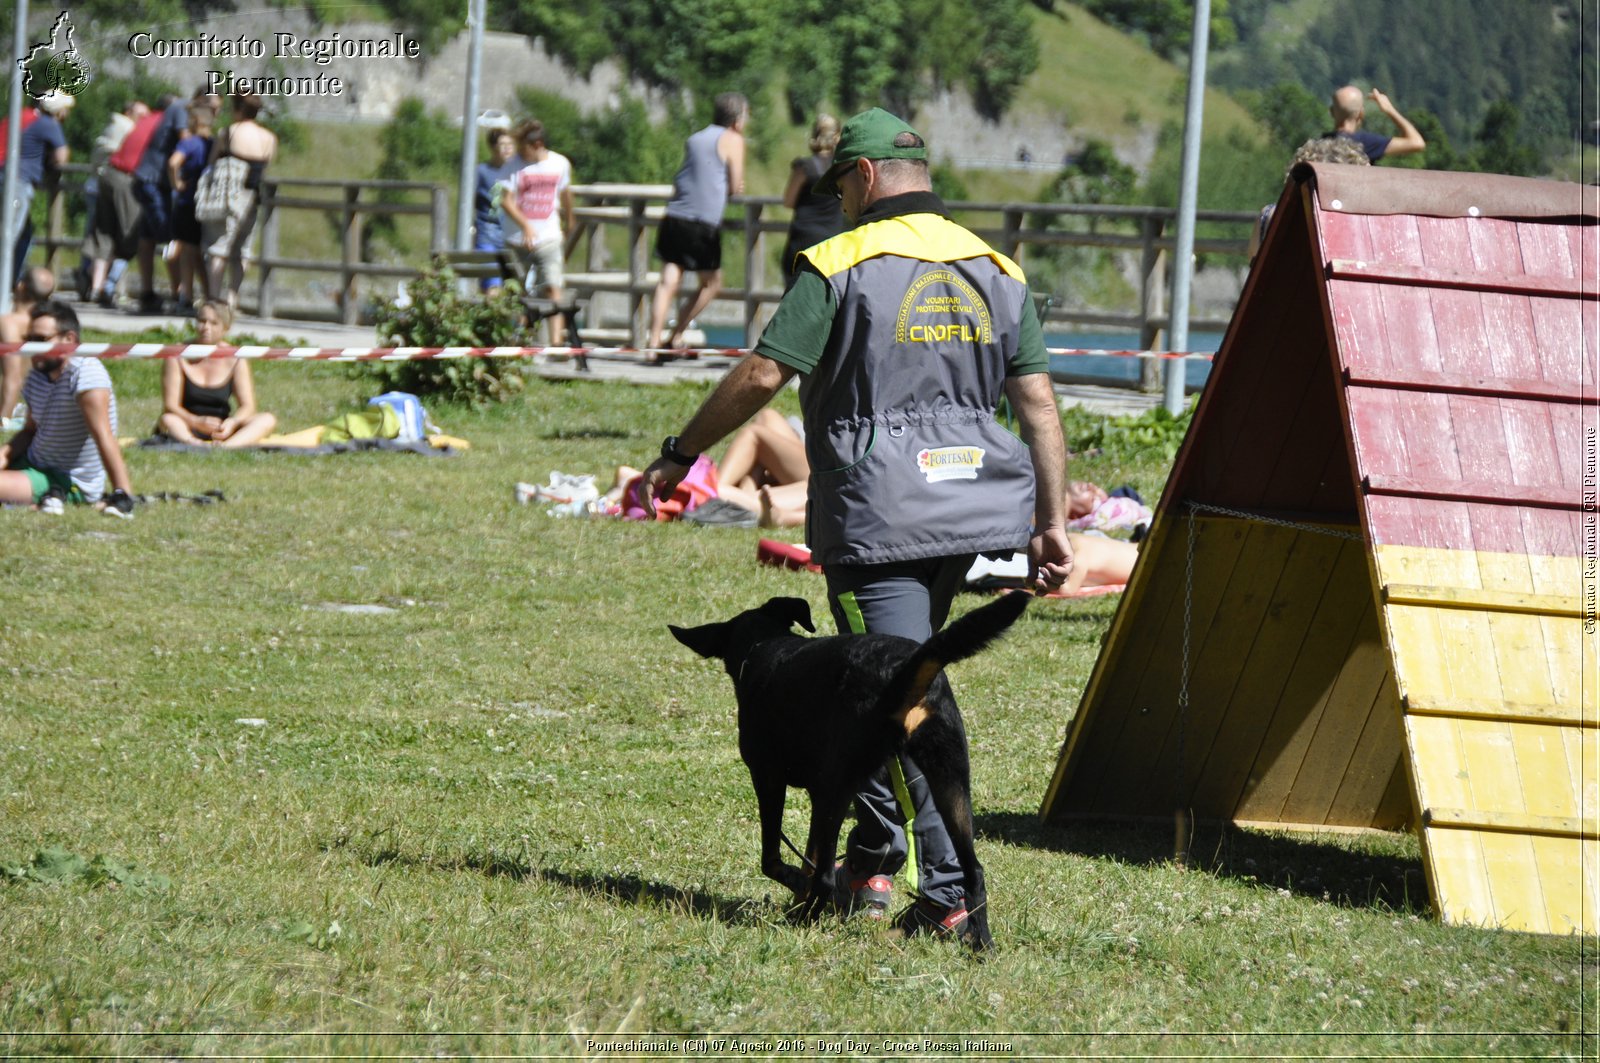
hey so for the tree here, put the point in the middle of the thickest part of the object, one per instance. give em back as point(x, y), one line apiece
point(1168, 25)
point(1502, 147)
point(1440, 154)
point(1290, 113)
point(1095, 175)
point(418, 144)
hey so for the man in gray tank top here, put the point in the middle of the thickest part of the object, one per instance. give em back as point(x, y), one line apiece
point(690, 238)
point(907, 330)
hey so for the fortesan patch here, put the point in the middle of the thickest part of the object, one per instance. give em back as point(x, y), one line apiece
point(950, 463)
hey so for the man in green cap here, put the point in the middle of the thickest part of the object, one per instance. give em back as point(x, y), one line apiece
point(907, 330)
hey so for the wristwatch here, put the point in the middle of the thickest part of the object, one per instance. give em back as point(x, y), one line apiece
point(670, 451)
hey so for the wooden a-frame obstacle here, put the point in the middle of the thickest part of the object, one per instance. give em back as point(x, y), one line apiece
point(1368, 595)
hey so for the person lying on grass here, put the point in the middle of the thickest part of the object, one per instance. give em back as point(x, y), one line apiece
point(765, 471)
point(212, 400)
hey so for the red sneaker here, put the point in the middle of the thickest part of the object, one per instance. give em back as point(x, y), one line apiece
point(868, 897)
point(926, 917)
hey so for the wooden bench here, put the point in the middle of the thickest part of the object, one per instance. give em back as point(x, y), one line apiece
point(502, 265)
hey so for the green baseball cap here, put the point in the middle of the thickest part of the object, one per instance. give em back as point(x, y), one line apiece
point(869, 135)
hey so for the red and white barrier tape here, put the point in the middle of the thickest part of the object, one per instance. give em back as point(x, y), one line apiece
point(196, 351)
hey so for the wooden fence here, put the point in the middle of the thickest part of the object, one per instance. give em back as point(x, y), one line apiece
point(1013, 228)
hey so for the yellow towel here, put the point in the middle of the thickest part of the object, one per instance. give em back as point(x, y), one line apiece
point(306, 437)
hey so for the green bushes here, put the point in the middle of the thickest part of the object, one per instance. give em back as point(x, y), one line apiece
point(1155, 435)
point(438, 315)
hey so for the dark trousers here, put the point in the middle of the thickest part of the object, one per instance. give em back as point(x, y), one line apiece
point(896, 823)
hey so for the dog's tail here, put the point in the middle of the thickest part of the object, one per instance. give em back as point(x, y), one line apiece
point(960, 640)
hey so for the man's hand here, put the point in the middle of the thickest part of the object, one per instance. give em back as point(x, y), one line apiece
point(659, 481)
point(1049, 560)
point(1409, 139)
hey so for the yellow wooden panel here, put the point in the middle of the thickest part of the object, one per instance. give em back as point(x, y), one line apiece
point(1520, 655)
point(1549, 788)
point(1417, 645)
point(1555, 575)
point(1143, 772)
point(1468, 648)
point(1564, 659)
point(1283, 634)
point(1510, 711)
point(1514, 882)
point(1346, 609)
point(1479, 599)
point(1359, 801)
point(1344, 718)
point(1583, 764)
point(1512, 822)
point(1491, 763)
point(1460, 881)
point(1438, 762)
point(1131, 701)
point(1589, 872)
point(1469, 569)
point(1571, 896)
point(1427, 566)
point(1505, 572)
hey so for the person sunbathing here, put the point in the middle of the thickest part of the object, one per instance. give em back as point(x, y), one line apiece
point(212, 400)
point(1098, 561)
point(765, 471)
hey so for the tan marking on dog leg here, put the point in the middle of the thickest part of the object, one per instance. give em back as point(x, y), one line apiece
point(924, 679)
point(914, 717)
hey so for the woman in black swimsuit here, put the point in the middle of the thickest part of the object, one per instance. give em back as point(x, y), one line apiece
point(196, 395)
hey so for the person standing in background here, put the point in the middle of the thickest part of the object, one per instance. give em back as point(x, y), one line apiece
point(1349, 112)
point(154, 192)
point(184, 167)
point(816, 218)
point(105, 145)
point(43, 152)
point(487, 232)
point(690, 237)
point(227, 242)
point(538, 201)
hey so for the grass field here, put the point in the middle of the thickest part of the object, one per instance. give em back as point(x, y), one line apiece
point(508, 816)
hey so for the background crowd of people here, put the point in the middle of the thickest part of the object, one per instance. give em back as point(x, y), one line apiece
point(168, 180)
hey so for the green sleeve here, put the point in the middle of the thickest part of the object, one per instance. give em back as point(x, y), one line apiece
point(797, 335)
point(1031, 356)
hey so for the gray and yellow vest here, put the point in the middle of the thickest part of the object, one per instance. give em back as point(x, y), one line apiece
point(907, 461)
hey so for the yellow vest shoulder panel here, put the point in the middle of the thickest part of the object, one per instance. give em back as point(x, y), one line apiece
point(928, 237)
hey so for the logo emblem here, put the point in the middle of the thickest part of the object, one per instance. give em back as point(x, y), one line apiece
point(950, 463)
point(941, 308)
point(55, 65)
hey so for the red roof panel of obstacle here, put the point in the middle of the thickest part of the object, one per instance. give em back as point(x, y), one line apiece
point(1467, 343)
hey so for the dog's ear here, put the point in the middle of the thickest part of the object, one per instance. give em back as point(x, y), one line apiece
point(708, 640)
point(791, 611)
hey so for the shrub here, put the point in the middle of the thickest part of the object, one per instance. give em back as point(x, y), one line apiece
point(1145, 435)
point(439, 316)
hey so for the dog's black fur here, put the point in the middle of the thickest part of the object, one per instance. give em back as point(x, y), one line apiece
point(823, 714)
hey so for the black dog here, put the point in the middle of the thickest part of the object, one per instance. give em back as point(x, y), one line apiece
point(824, 714)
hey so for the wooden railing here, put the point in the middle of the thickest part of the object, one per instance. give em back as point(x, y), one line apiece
point(341, 199)
point(1009, 227)
point(278, 196)
point(637, 209)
